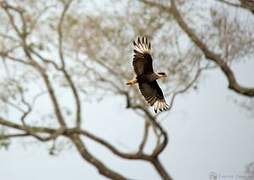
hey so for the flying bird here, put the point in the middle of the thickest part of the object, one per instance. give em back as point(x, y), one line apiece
point(146, 77)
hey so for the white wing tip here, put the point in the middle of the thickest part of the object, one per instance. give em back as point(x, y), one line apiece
point(160, 106)
point(142, 45)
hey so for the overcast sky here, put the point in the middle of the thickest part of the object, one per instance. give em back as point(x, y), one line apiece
point(208, 133)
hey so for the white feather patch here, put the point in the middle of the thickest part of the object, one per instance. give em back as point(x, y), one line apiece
point(161, 105)
point(142, 45)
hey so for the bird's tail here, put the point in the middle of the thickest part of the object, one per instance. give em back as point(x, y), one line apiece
point(161, 105)
point(142, 45)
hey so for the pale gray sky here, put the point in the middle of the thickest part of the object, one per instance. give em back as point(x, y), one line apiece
point(208, 133)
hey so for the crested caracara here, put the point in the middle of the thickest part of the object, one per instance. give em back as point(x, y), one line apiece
point(146, 77)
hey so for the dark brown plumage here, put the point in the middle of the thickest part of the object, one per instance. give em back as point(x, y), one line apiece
point(146, 77)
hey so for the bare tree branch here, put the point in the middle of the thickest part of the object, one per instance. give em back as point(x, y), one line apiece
point(210, 55)
point(9, 123)
point(22, 35)
point(145, 136)
point(18, 135)
point(187, 87)
point(137, 155)
point(60, 33)
point(244, 4)
point(161, 170)
point(230, 3)
point(69, 81)
point(93, 53)
point(103, 169)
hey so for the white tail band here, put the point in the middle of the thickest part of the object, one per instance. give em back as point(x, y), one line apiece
point(161, 105)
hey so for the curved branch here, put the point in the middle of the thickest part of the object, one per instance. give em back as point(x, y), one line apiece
point(69, 81)
point(230, 3)
point(54, 100)
point(76, 97)
point(248, 4)
point(10, 124)
point(210, 55)
point(186, 88)
point(145, 137)
point(138, 155)
point(60, 33)
point(22, 34)
point(152, 119)
point(161, 170)
point(103, 169)
point(158, 150)
point(18, 135)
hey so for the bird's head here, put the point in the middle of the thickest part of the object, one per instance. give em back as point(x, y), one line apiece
point(162, 74)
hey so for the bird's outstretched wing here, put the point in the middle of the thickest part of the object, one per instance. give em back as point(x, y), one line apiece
point(154, 95)
point(142, 61)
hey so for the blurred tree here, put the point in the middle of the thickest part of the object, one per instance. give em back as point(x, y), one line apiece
point(245, 4)
point(65, 48)
point(250, 171)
